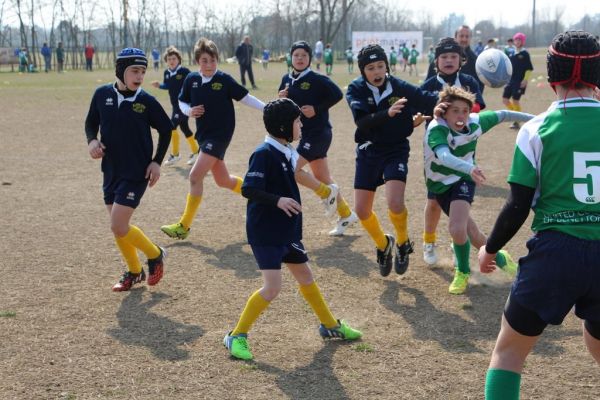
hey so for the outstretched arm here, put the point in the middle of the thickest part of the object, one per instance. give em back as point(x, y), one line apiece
point(512, 116)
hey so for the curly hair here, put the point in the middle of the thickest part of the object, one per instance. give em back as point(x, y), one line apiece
point(453, 93)
point(172, 51)
point(204, 45)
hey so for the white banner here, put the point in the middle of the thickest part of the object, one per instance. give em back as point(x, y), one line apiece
point(387, 40)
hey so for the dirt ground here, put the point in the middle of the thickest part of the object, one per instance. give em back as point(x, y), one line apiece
point(65, 335)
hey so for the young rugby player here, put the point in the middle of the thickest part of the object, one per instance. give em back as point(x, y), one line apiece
point(174, 77)
point(316, 94)
point(451, 173)
point(207, 96)
point(522, 68)
point(274, 228)
point(555, 172)
point(124, 114)
point(376, 100)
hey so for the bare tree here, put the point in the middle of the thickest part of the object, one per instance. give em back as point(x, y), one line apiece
point(332, 14)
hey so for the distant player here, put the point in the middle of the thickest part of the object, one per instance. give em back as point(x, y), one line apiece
point(274, 228)
point(554, 172)
point(393, 59)
point(266, 54)
point(124, 114)
point(350, 59)
point(316, 94)
point(405, 52)
point(173, 79)
point(207, 96)
point(382, 107)
point(451, 174)
point(522, 68)
point(412, 60)
point(328, 57)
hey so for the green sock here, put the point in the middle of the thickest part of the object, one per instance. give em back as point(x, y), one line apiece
point(461, 251)
point(501, 384)
point(500, 260)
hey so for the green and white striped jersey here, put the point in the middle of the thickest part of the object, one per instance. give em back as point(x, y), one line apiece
point(439, 178)
point(558, 154)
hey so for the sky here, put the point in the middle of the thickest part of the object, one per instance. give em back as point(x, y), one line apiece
point(501, 12)
point(511, 12)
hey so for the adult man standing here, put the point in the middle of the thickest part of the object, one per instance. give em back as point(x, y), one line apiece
point(89, 56)
point(463, 37)
point(47, 54)
point(243, 53)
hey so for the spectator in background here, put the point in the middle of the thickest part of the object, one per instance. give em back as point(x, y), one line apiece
point(155, 58)
point(23, 60)
point(89, 56)
point(60, 58)
point(479, 48)
point(265, 58)
point(47, 54)
point(319, 53)
point(243, 53)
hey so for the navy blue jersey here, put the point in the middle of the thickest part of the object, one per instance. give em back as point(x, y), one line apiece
point(521, 62)
point(467, 68)
point(125, 131)
point(266, 224)
point(467, 82)
point(218, 121)
point(173, 81)
point(314, 90)
point(394, 130)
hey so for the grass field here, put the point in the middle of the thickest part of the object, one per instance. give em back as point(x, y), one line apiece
point(65, 335)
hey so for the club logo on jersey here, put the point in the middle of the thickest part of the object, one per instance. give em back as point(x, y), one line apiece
point(131, 196)
point(306, 146)
point(109, 101)
point(217, 86)
point(195, 85)
point(305, 85)
point(179, 77)
point(392, 100)
point(138, 107)
point(284, 166)
point(370, 101)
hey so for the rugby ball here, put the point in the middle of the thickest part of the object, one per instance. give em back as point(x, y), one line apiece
point(493, 68)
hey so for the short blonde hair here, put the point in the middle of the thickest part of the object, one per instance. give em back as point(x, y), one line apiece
point(204, 45)
point(172, 51)
point(453, 93)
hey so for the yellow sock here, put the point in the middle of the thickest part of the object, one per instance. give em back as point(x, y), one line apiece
point(510, 106)
point(400, 222)
point(516, 107)
point(238, 184)
point(193, 144)
point(312, 295)
point(191, 207)
point(343, 209)
point(429, 237)
point(129, 253)
point(255, 305)
point(323, 191)
point(175, 142)
point(374, 230)
point(137, 238)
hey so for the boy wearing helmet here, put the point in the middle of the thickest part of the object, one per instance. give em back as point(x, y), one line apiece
point(274, 228)
point(522, 68)
point(377, 101)
point(554, 172)
point(316, 94)
point(124, 114)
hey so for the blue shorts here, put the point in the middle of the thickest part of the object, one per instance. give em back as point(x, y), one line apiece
point(513, 90)
point(315, 145)
point(271, 257)
point(214, 148)
point(376, 165)
point(461, 190)
point(560, 271)
point(124, 192)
